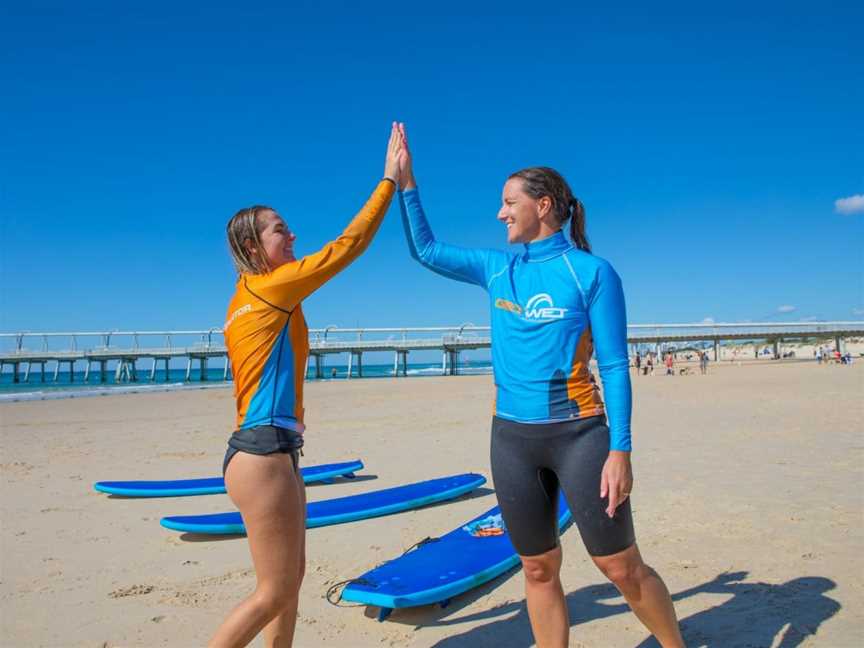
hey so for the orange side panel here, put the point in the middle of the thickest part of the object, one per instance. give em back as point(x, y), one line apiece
point(580, 384)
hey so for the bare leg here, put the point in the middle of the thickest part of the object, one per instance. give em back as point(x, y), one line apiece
point(645, 593)
point(547, 608)
point(265, 489)
point(280, 631)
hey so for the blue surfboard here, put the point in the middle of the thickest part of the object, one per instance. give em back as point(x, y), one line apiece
point(213, 485)
point(444, 567)
point(342, 509)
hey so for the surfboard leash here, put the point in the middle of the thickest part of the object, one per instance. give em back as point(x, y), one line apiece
point(341, 585)
point(335, 587)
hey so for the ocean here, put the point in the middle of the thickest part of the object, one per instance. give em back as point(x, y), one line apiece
point(74, 386)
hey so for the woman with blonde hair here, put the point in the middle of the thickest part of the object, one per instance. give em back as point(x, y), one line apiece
point(268, 346)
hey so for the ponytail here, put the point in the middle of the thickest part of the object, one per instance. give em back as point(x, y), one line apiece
point(577, 225)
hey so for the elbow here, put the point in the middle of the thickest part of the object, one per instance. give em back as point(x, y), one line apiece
point(426, 253)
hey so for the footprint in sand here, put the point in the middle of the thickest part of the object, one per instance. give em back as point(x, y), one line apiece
point(134, 590)
point(18, 468)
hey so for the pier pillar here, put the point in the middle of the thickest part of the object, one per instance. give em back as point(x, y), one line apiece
point(15, 377)
point(188, 368)
point(777, 348)
point(403, 357)
point(717, 350)
point(86, 370)
point(454, 363)
point(838, 344)
point(42, 368)
point(126, 371)
point(167, 370)
point(319, 370)
point(71, 371)
point(203, 368)
point(56, 371)
point(228, 366)
point(355, 358)
point(103, 371)
point(27, 373)
point(444, 363)
point(153, 371)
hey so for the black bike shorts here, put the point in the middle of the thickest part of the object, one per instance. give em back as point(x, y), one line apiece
point(531, 461)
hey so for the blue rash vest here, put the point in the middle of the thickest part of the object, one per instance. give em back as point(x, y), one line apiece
point(552, 306)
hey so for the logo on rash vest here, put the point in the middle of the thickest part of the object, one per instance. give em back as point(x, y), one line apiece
point(237, 313)
point(540, 307)
point(503, 304)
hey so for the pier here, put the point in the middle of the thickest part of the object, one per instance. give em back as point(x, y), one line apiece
point(137, 356)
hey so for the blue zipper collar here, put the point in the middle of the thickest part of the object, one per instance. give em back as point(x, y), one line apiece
point(547, 248)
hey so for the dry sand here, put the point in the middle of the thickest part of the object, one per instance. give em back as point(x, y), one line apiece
point(748, 501)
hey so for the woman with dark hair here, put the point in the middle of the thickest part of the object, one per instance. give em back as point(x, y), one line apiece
point(553, 304)
point(268, 344)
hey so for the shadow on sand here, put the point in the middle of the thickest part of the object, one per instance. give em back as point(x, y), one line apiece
point(757, 614)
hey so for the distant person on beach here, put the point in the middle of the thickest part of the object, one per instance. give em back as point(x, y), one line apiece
point(553, 303)
point(649, 363)
point(638, 362)
point(670, 365)
point(703, 362)
point(268, 345)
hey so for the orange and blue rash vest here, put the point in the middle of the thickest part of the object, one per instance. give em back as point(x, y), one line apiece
point(551, 307)
point(265, 330)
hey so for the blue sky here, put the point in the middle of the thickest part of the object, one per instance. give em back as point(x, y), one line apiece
point(709, 145)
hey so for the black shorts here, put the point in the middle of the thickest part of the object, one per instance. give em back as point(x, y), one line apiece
point(530, 462)
point(264, 440)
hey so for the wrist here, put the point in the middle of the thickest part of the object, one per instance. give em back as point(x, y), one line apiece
point(409, 184)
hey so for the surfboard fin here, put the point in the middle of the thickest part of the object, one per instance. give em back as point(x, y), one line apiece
point(383, 613)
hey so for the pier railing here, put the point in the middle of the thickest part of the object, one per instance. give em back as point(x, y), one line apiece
point(124, 349)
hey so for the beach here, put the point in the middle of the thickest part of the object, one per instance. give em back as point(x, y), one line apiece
point(748, 500)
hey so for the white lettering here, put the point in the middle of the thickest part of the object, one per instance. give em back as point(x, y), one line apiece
point(540, 306)
point(237, 313)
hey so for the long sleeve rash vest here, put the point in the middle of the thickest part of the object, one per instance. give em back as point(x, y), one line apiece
point(266, 333)
point(551, 307)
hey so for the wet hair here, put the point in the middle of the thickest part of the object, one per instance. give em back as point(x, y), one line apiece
point(545, 181)
point(245, 226)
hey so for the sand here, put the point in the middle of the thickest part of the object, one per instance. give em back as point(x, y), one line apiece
point(748, 500)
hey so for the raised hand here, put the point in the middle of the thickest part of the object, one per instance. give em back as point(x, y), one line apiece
point(391, 161)
point(406, 165)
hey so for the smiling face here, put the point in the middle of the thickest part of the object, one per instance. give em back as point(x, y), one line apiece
point(527, 219)
point(277, 241)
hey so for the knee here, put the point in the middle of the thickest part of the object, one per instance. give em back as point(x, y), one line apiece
point(271, 600)
point(626, 575)
point(540, 572)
